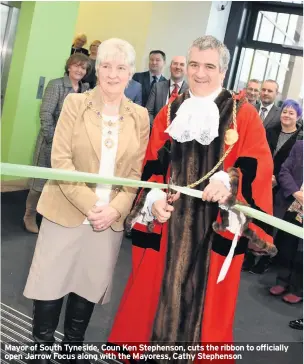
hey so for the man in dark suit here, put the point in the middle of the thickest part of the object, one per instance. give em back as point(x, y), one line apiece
point(162, 91)
point(134, 92)
point(157, 60)
point(269, 113)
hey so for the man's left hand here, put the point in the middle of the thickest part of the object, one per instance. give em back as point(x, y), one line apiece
point(216, 191)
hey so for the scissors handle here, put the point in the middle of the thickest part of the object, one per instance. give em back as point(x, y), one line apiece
point(170, 192)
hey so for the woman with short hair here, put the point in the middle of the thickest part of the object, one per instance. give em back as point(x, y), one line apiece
point(282, 137)
point(102, 132)
point(76, 68)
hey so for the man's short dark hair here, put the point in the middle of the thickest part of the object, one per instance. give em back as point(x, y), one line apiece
point(273, 81)
point(158, 52)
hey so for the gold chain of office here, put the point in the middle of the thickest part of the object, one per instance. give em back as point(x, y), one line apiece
point(231, 137)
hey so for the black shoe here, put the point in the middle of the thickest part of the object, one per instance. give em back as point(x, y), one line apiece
point(77, 317)
point(45, 321)
point(262, 265)
point(249, 262)
point(296, 324)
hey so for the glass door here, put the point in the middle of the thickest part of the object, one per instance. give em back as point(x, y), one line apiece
point(9, 21)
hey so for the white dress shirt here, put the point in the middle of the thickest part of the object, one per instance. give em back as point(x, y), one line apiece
point(171, 88)
point(157, 77)
point(267, 111)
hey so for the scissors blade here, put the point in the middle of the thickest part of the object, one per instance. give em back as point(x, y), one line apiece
point(170, 191)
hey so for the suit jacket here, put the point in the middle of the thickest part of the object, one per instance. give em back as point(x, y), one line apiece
point(158, 97)
point(272, 136)
point(134, 92)
point(144, 79)
point(273, 117)
point(77, 146)
point(290, 179)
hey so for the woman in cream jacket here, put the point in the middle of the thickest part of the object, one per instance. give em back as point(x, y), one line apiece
point(100, 131)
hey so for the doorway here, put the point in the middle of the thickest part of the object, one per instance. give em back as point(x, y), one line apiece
point(9, 20)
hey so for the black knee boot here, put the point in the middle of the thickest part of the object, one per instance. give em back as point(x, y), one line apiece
point(45, 321)
point(77, 317)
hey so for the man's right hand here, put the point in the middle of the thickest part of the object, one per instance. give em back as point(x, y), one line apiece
point(161, 210)
point(299, 196)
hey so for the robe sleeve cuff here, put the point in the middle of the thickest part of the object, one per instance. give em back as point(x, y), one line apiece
point(142, 212)
point(259, 241)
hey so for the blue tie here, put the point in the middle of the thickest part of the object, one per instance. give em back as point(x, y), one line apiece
point(153, 82)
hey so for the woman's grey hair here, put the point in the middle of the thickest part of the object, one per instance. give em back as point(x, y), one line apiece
point(115, 48)
point(210, 42)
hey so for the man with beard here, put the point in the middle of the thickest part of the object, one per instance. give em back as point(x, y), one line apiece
point(187, 257)
point(269, 113)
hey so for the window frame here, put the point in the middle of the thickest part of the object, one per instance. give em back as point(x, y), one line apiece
point(275, 7)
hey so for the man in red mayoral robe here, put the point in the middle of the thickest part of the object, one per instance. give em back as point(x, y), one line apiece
point(188, 252)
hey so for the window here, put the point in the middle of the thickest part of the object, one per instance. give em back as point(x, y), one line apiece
point(272, 48)
point(275, 26)
point(4, 16)
point(279, 28)
point(287, 70)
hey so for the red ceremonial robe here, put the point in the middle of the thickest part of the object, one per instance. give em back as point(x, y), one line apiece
point(172, 295)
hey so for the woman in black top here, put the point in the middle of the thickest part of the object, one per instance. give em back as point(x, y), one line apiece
point(79, 41)
point(282, 137)
point(91, 78)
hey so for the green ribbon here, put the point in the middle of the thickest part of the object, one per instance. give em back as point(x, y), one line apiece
point(75, 176)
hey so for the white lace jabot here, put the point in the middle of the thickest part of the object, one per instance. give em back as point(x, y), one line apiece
point(196, 119)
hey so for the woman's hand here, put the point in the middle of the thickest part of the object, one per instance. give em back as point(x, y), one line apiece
point(216, 191)
point(102, 217)
point(299, 196)
point(274, 181)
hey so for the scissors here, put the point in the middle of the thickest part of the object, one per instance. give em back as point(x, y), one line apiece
point(170, 192)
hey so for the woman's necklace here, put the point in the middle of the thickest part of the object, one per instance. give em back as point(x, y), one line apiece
point(108, 129)
point(108, 126)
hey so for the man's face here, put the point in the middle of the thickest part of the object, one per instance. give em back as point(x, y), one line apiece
point(203, 71)
point(156, 63)
point(178, 68)
point(268, 93)
point(253, 91)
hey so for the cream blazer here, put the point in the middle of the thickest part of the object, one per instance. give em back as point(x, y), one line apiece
point(77, 147)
